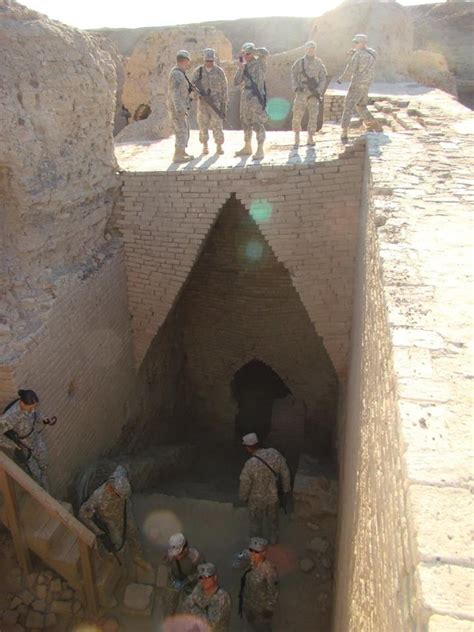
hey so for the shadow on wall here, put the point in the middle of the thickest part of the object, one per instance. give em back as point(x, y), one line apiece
point(202, 375)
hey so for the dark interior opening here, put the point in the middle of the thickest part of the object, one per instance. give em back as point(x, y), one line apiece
point(255, 387)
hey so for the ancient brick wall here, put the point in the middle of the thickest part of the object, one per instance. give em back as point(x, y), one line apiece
point(307, 214)
point(80, 365)
point(374, 579)
point(238, 305)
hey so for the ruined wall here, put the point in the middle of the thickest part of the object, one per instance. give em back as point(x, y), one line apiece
point(57, 189)
point(405, 558)
point(165, 218)
point(374, 582)
point(148, 67)
point(239, 304)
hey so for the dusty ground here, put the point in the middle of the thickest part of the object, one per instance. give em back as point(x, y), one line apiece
point(218, 530)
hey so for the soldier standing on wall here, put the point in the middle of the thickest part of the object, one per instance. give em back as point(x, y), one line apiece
point(21, 428)
point(179, 104)
point(253, 99)
point(309, 77)
point(362, 69)
point(259, 588)
point(210, 83)
point(264, 485)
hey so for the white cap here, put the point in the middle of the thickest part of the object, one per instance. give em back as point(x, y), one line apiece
point(258, 544)
point(176, 544)
point(250, 439)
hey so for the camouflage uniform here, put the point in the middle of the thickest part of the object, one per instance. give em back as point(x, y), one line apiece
point(258, 489)
point(29, 427)
point(179, 103)
point(314, 67)
point(184, 572)
point(362, 69)
point(252, 115)
point(114, 510)
point(260, 596)
point(214, 82)
point(214, 609)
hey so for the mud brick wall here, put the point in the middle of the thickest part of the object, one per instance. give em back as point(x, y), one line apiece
point(307, 214)
point(80, 364)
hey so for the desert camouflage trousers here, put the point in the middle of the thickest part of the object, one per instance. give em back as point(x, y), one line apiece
point(300, 104)
point(252, 116)
point(264, 521)
point(357, 98)
point(208, 120)
point(180, 123)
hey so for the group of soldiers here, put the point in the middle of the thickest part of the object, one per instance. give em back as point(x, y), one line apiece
point(309, 82)
point(193, 584)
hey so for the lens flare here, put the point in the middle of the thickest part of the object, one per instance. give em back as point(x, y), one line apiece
point(261, 210)
point(254, 250)
point(278, 109)
point(159, 525)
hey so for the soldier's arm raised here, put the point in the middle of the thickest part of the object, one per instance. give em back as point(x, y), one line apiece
point(262, 56)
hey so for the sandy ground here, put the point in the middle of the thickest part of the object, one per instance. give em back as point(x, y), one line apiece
point(219, 530)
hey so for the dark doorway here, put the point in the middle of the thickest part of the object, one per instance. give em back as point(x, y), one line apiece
point(255, 387)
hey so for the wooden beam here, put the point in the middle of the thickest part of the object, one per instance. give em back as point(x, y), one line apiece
point(88, 579)
point(48, 503)
point(11, 508)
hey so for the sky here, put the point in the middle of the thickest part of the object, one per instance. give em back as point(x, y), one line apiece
point(88, 14)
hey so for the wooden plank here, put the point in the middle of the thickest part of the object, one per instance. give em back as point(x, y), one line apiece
point(11, 507)
point(50, 504)
point(88, 578)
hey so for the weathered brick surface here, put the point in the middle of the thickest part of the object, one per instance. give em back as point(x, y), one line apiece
point(312, 229)
point(238, 305)
point(80, 364)
point(405, 559)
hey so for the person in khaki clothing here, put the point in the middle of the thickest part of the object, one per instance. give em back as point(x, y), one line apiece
point(259, 588)
point(183, 573)
point(307, 73)
point(258, 487)
point(179, 104)
point(210, 80)
point(208, 601)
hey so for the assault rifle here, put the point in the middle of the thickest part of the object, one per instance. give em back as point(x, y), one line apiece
point(205, 96)
point(105, 536)
point(262, 99)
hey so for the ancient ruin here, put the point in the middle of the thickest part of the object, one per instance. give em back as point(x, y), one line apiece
point(320, 296)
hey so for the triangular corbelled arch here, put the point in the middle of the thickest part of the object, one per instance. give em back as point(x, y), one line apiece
point(238, 303)
point(168, 282)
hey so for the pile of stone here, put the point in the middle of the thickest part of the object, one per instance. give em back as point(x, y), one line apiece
point(44, 602)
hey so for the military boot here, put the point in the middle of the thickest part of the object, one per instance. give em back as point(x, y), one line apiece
point(205, 148)
point(246, 149)
point(219, 149)
point(181, 156)
point(259, 155)
point(297, 139)
point(311, 142)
